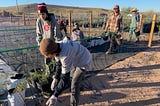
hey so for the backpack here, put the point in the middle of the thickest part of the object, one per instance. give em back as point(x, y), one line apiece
point(137, 17)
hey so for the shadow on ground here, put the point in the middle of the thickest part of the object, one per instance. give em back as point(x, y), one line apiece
point(100, 93)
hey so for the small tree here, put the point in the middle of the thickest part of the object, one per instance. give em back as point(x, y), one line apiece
point(126, 19)
point(125, 11)
point(148, 16)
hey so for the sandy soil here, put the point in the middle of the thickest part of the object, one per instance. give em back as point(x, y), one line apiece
point(134, 81)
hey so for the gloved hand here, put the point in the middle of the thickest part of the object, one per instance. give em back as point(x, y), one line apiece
point(54, 83)
point(52, 101)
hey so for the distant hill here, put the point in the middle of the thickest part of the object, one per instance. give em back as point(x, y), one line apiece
point(31, 8)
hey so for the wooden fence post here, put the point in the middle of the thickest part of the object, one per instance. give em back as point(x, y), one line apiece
point(141, 19)
point(152, 30)
point(24, 19)
point(11, 16)
point(69, 19)
point(91, 19)
point(60, 15)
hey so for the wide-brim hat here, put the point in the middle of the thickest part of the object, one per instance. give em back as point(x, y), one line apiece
point(134, 10)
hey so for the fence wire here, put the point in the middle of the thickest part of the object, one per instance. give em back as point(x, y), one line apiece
point(19, 47)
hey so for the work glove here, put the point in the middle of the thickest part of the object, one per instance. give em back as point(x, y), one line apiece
point(51, 101)
point(54, 83)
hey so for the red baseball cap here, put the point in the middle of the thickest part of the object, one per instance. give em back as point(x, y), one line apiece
point(42, 8)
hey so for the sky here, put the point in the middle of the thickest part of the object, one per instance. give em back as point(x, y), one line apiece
point(142, 5)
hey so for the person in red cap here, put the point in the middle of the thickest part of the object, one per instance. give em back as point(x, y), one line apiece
point(47, 27)
point(113, 28)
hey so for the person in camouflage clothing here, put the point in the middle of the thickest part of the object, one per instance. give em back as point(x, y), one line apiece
point(113, 26)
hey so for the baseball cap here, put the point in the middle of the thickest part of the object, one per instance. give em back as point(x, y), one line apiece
point(42, 8)
point(116, 7)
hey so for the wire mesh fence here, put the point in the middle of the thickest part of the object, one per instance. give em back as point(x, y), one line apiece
point(19, 47)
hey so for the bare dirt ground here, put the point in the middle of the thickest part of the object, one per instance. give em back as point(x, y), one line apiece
point(134, 81)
